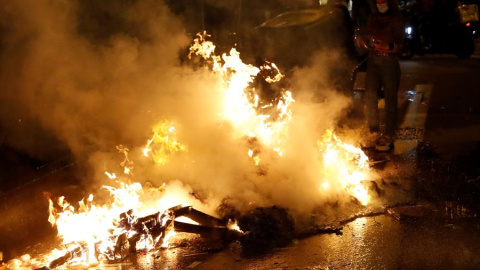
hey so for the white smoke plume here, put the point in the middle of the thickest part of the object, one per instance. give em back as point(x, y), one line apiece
point(90, 75)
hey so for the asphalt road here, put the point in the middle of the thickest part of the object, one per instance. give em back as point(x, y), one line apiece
point(453, 119)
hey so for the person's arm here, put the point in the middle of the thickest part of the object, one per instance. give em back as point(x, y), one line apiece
point(360, 40)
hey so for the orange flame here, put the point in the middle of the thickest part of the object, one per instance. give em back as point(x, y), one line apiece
point(163, 143)
point(346, 164)
point(241, 102)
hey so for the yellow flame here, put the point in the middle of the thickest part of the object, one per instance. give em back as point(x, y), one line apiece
point(345, 163)
point(94, 227)
point(233, 225)
point(111, 175)
point(272, 71)
point(126, 163)
point(163, 143)
point(168, 235)
point(241, 105)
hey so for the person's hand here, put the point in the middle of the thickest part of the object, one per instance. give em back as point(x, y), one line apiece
point(359, 42)
point(364, 42)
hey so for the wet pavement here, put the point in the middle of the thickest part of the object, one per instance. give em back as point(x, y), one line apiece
point(371, 243)
point(416, 241)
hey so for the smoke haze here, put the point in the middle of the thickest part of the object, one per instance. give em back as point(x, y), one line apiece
point(86, 76)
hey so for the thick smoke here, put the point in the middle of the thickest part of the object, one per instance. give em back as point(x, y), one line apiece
point(69, 76)
point(89, 75)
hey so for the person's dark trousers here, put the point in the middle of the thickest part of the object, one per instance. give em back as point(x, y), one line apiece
point(382, 71)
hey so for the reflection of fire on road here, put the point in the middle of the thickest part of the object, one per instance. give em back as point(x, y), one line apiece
point(142, 219)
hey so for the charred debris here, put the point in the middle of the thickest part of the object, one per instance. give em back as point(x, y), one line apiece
point(257, 232)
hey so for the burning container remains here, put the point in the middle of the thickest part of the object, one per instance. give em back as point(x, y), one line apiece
point(153, 230)
point(258, 185)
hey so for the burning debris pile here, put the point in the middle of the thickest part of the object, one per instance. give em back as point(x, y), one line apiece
point(143, 219)
point(146, 233)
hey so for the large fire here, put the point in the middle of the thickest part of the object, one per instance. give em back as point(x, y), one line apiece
point(242, 106)
point(93, 233)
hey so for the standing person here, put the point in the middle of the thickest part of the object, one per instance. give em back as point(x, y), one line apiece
point(384, 26)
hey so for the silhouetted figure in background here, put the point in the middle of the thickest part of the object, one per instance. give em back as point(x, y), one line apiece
point(383, 70)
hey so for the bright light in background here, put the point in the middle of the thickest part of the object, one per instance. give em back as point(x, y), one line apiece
point(408, 30)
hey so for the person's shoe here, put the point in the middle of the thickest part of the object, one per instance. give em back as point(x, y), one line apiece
point(371, 141)
point(384, 144)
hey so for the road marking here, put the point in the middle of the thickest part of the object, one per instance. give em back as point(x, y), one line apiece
point(412, 129)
